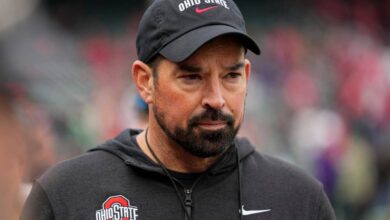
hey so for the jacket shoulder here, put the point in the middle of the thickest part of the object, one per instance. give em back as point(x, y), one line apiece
point(80, 169)
point(270, 168)
point(282, 171)
point(285, 187)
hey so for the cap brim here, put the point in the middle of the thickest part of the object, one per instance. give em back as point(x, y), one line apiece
point(184, 46)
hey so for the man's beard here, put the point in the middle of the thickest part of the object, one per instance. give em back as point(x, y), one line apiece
point(201, 143)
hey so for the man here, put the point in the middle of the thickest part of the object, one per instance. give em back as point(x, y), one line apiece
point(193, 74)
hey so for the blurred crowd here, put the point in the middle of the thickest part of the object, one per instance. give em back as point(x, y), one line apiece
point(319, 94)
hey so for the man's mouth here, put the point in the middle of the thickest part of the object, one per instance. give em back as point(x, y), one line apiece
point(212, 125)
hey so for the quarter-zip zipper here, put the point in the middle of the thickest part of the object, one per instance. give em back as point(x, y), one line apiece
point(188, 202)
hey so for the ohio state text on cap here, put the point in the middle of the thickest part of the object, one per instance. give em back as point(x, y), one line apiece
point(177, 28)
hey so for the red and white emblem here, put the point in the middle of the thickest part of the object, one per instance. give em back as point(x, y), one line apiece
point(117, 208)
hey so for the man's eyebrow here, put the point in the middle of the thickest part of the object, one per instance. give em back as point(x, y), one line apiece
point(236, 66)
point(189, 68)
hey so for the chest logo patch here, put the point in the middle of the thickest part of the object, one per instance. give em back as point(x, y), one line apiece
point(117, 208)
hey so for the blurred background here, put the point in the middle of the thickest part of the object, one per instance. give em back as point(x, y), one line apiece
point(319, 94)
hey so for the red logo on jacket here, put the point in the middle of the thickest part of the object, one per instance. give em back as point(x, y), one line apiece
point(117, 208)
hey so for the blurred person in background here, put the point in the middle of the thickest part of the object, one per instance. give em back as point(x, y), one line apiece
point(12, 158)
point(39, 135)
point(27, 143)
point(193, 75)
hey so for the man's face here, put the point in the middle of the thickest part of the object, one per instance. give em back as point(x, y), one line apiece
point(199, 103)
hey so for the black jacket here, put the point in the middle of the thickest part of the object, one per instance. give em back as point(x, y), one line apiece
point(118, 181)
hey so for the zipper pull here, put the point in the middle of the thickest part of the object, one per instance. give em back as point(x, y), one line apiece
point(188, 203)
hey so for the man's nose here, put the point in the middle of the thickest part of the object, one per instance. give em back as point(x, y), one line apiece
point(213, 96)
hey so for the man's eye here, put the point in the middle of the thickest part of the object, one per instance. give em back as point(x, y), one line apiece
point(233, 75)
point(192, 77)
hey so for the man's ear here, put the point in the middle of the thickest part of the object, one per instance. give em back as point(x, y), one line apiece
point(247, 69)
point(143, 79)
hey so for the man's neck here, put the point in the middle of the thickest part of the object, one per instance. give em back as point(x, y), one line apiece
point(171, 155)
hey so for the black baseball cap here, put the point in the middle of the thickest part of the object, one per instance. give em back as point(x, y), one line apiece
point(177, 28)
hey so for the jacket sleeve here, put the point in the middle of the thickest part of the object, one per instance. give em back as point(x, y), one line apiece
point(37, 206)
point(325, 210)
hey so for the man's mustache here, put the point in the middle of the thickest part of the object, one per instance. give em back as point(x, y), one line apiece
point(211, 115)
